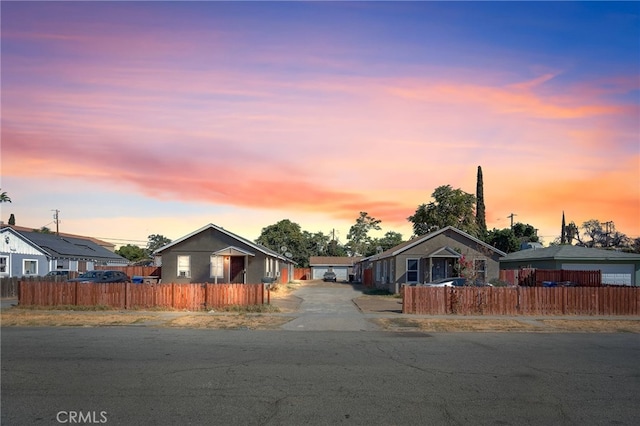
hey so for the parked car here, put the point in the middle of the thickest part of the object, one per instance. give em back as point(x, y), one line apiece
point(329, 276)
point(58, 274)
point(102, 277)
point(455, 282)
point(448, 282)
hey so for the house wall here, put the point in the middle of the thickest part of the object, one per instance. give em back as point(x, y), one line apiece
point(200, 247)
point(469, 248)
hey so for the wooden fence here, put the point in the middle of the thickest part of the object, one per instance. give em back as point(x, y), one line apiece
point(521, 300)
point(192, 297)
point(142, 271)
point(302, 273)
point(531, 277)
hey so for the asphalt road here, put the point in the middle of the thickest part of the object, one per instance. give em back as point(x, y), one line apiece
point(156, 376)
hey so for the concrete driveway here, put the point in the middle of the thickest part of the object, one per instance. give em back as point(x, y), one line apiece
point(329, 307)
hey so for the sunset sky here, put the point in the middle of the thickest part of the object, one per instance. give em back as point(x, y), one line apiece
point(139, 118)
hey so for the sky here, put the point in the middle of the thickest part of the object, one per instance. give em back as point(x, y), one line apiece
point(140, 118)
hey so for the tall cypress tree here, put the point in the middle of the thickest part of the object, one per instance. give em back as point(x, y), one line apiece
point(480, 213)
point(563, 235)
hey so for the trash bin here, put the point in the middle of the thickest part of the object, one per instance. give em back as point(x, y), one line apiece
point(548, 284)
point(137, 279)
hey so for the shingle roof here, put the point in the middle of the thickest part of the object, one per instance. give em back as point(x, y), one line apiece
point(71, 248)
point(251, 244)
point(333, 260)
point(569, 252)
point(105, 244)
point(415, 241)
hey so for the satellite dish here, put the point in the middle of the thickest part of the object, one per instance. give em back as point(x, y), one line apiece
point(289, 255)
point(283, 249)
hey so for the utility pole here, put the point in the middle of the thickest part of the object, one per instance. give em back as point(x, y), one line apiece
point(511, 216)
point(56, 219)
point(609, 226)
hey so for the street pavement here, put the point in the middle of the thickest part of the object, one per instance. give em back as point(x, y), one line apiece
point(162, 376)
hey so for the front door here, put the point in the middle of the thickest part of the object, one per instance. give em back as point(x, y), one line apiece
point(237, 268)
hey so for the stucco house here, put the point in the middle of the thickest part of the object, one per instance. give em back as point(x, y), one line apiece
point(212, 254)
point(617, 268)
point(342, 266)
point(28, 253)
point(430, 257)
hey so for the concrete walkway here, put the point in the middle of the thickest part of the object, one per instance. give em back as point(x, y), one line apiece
point(329, 308)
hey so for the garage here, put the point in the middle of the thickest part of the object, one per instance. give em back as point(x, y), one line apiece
point(618, 268)
point(341, 266)
point(611, 274)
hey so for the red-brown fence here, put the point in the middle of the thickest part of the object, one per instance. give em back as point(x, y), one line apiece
point(142, 271)
point(531, 277)
point(302, 273)
point(521, 300)
point(191, 297)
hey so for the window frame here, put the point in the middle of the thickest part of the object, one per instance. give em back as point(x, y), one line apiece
point(178, 265)
point(415, 271)
point(24, 266)
point(218, 266)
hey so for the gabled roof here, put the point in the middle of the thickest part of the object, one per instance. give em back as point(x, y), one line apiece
point(333, 260)
point(251, 244)
point(105, 244)
point(444, 252)
point(60, 247)
point(13, 232)
point(569, 252)
point(233, 251)
point(394, 251)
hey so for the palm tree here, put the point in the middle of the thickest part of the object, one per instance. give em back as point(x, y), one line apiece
point(4, 198)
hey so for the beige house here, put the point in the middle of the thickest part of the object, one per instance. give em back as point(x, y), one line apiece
point(445, 253)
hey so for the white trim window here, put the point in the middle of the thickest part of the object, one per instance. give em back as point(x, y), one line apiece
point(217, 266)
point(4, 261)
point(184, 266)
point(384, 271)
point(29, 267)
point(412, 270)
point(268, 267)
point(378, 272)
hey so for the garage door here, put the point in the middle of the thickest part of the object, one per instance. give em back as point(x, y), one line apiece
point(317, 273)
point(611, 274)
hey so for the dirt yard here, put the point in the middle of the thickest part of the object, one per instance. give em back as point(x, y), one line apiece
point(284, 304)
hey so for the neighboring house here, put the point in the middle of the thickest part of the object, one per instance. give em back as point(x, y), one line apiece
point(430, 257)
point(617, 267)
point(212, 254)
point(109, 246)
point(341, 265)
point(24, 253)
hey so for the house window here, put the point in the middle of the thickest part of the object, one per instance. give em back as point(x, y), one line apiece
point(217, 268)
point(184, 266)
point(268, 267)
point(412, 270)
point(480, 269)
point(3, 265)
point(62, 264)
point(378, 274)
point(30, 267)
point(384, 271)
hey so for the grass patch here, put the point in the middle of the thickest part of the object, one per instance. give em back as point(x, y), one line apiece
point(79, 308)
point(249, 309)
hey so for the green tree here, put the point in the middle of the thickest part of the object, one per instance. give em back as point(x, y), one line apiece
point(43, 230)
point(389, 240)
point(525, 232)
point(503, 239)
point(155, 241)
point(132, 253)
point(480, 209)
point(451, 207)
point(286, 236)
point(12, 219)
point(4, 198)
point(358, 239)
